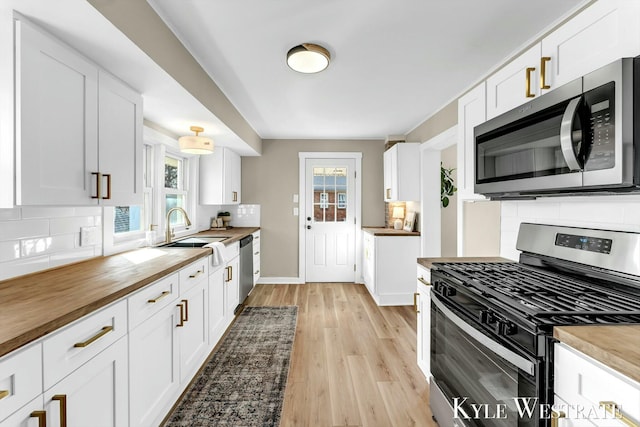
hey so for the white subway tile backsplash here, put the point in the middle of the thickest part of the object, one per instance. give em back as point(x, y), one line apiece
point(71, 256)
point(593, 212)
point(88, 211)
point(45, 245)
point(9, 214)
point(508, 209)
point(70, 225)
point(12, 230)
point(46, 212)
point(23, 266)
point(9, 251)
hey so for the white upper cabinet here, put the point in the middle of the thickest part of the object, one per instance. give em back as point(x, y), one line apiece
point(119, 141)
point(56, 120)
point(401, 172)
point(78, 130)
point(471, 112)
point(514, 84)
point(602, 33)
point(220, 177)
point(605, 31)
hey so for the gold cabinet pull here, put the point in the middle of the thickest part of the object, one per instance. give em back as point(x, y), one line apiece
point(235, 196)
point(543, 72)
point(230, 273)
point(196, 274)
point(415, 302)
point(62, 398)
point(98, 176)
point(555, 417)
point(424, 282)
point(41, 416)
point(104, 331)
point(614, 409)
point(388, 193)
point(186, 310)
point(181, 324)
point(108, 175)
point(3, 394)
point(528, 93)
point(158, 298)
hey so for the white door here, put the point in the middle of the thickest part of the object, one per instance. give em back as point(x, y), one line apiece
point(330, 228)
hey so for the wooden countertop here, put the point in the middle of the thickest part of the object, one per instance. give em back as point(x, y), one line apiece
point(617, 346)
point(233, 234)
point(428, 262)
point(382, 231)
point(36, 304)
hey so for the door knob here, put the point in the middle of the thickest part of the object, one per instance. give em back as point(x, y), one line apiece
point(308, 218)
point(308, 227)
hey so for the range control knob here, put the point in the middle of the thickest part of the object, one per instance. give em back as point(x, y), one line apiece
point(503, 327)
point(449, 291)
point(486, 317)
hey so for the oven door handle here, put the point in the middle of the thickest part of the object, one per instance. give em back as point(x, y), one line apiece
point(500, 350)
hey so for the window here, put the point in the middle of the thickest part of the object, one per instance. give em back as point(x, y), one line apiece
point(175, 191)
point(127, 219)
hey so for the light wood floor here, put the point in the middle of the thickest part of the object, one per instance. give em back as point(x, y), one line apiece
point(353, 363)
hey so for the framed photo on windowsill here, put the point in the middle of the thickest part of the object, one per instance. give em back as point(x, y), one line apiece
point(409, 221)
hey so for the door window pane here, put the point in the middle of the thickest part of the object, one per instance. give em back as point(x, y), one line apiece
point(330, 194)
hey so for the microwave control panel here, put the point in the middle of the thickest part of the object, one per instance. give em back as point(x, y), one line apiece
point(600, 109)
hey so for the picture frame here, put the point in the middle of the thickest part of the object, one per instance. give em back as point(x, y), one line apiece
point(409, 221)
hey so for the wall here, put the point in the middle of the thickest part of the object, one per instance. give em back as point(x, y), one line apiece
point(37, 238)
point(606, 212)
point(449, 215)
point(272, 179)
point(436, 124)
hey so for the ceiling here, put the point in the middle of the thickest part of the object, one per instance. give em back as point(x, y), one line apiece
point(394, 64)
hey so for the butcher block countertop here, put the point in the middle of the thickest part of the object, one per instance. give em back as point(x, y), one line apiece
point(34, 305)
point(617, 346)
point(234, 234)
point(428, 262)
point(382, 231)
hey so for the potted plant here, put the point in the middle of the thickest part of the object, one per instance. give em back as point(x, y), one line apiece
point(447, 187)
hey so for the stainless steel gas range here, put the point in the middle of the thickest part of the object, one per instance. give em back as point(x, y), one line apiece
point(492, 323)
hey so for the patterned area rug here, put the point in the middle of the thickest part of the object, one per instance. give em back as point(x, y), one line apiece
point(243, 382)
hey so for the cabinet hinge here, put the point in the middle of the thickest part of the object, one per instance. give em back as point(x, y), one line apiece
point(355, 174)
point(354, 220)
point(354, 267)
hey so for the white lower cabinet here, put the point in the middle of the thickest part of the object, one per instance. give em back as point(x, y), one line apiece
point(193, 334)
point(30, 415)
point(232, 288)
point(256, 257)
point(154, 362)
point(582, 383)
point(423, 310)
point(388, 267)
point(217, 315)
point(96, 394)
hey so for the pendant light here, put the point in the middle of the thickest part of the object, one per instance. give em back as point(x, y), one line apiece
point(308, 58)
point(196, 144)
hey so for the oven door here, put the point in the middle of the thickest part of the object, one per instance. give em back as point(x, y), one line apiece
point(472, 370)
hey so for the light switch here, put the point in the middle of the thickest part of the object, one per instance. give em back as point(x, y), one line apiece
point(295, 198)
point(295, 212)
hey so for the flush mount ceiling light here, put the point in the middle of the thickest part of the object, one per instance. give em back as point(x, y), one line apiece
point(196, 144)
point(308, 58)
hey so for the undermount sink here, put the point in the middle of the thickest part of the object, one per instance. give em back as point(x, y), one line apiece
point(194, 242)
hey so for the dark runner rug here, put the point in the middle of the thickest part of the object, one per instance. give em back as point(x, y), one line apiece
point(243, 382)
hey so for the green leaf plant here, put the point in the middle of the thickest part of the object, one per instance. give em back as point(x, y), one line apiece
point(446, 185)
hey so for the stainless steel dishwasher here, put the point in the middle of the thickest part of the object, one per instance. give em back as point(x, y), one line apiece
point(246, 267)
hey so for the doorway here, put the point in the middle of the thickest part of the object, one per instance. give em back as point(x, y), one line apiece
point(329, 217)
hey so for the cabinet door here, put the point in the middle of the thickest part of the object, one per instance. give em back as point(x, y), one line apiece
point(388, 175)
point(368, 267)
point(217, 324)
point(256, 257)
point(514, 84)
point(232, 176)
point(211, 178)
point(472, 111)
point(193, 333)
point(602, 33)
point(423, 302)
point(119, 142)
point(232, 288)
point(56, 116)
point(96, 394)
point(154, 366)
point(27, 416)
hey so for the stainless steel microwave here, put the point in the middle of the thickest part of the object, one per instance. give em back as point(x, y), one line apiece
point(581, 137)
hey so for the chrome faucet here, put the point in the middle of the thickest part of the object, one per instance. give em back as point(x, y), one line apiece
point(169, 233)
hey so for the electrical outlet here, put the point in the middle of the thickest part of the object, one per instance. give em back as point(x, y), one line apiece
point(88, 236)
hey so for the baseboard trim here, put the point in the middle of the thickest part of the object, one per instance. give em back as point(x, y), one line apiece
point(280, 281)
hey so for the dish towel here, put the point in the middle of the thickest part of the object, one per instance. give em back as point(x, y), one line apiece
point(218, 253)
